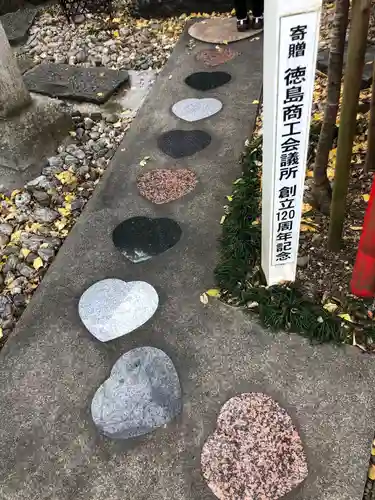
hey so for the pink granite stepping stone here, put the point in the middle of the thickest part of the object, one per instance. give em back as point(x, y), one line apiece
point(255, 452)
point(219, 30)
point(217, 56)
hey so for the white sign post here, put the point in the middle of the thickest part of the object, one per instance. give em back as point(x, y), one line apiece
point(291, 36)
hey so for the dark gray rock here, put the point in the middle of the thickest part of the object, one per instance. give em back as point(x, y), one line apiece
point(142, 394)
point(323, 56)
point(75, 82)
point(17, 24)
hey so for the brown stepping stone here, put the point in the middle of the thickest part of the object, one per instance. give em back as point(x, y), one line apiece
point(219, 30)
point(255, 451)
point(217, 56)
point(163, 185)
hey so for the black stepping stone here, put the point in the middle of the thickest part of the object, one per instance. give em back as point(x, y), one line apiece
point(180, 143)
point(17, 24)
point(75, 82)
point(141, 238)
point(207, 80)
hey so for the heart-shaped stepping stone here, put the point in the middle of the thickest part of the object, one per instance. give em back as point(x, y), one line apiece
point(141, 238)
point(193, 110)
point(180, 143)
point(163, 185)
point(215, 57)
point(142, 393)
point(255, 451)
point(111, 308)
point(207, 80)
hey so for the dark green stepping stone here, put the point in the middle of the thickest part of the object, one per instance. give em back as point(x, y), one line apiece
point(141, 238)
point(17, 24)
point(207, 80)
point(75, 82)
point(181, 143)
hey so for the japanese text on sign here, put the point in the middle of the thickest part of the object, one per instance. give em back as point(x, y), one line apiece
point(295, 72)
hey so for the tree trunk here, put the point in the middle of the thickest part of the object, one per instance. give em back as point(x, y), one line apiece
point(370, 156)
point(352, 86)
point(322, 191)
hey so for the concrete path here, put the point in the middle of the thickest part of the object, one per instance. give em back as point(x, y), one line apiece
point(51, 367)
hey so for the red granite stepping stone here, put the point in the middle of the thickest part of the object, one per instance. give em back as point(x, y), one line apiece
point(255, 451)
point(215, 57)
point(163, 185)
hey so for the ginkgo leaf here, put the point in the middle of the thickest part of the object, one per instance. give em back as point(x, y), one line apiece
point(213, 292)
point(230, 198)
point(38, 263)
point(255, 101)
point(306, 228)
point(25, 252)
point(15, 237)
point(346, 317)
point(356, 228)
point(1, 333)
point(310, 173)
point(204, 298)
point(306, 207)
point(371, 472)
point(366, 197)
point(330, 307)
point(116, 34)
point(222, 219)
point(64, 211)
point(66, 177)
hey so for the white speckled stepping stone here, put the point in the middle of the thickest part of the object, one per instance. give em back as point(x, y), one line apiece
point(111, 308)
point(142, 393)
point(193, 110)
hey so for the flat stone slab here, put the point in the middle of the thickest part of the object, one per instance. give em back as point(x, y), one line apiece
point(180, 143)
point(142, 393)
point(112, 308)
point(17, 24)
point(255, 451)
point(219, 30)
point(323, 56)
point(193, 110)
point(25, 62)
point(74, 82)
point(141, 238)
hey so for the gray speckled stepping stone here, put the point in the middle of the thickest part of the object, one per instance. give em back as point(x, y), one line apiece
point(17, 24)
point(75, 82)
point(142, 393)
point(111, 308)
point(141, 238)
point(180, 143)
point(193, 110)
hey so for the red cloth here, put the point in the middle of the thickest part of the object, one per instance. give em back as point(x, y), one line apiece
point(363, 278)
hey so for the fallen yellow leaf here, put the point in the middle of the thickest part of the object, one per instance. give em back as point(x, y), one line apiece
point(38, 263)
point(371, 472)
point(116, 34)
point(255, 101)
point(1, 333)
point(346, 317)
point(25, 252)
point(330, 307)
point(66, 177)
point(204, 298)
point(15, 237)
point(64, 211)
point(366, 197)
point(222, 219)
point(306, 207)
point(306, 228)
point(356, 228)
point(230, 198)
point(213, 292)
point(309, 173)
